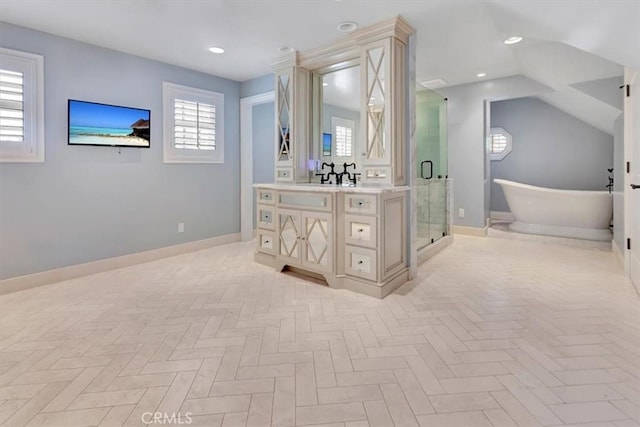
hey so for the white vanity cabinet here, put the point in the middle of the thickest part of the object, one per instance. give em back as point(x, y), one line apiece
point(374, 243)
point(354, 238)
point(266, 222)
point(305, 230)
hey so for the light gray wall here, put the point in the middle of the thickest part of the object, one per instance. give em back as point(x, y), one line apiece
point(257, 86)
point(618, 183)
point(89, 203)
point(467, 141)
point(550, 149)
point(263, 146)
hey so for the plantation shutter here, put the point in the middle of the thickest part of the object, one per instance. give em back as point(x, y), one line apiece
point(498, 143)
point(343, 141)
point(194, 125)
point(11, 106)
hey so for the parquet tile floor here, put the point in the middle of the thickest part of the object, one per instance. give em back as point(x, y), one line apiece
point(492, 332)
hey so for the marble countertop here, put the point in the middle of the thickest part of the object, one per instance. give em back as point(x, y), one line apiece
point(330, 188)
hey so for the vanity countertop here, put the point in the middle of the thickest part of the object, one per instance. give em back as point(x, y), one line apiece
point(330, 188)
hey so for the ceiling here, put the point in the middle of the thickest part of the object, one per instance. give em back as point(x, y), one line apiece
point(455, 39)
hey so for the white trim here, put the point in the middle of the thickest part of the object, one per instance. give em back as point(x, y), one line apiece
point(20, 283)
point(631, 77)
point(617, 254)
point(36, 121)
point(170, 154)
point(509, 144)
point(434, 249)
point(246, 160)
point(470, 231)
point(501, 216)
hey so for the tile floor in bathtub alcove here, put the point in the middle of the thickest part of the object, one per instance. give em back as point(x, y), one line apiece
point(493, 332)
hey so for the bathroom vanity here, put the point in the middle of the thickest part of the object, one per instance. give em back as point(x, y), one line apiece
point(353, 236)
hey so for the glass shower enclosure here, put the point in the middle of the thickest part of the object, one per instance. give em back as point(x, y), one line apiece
point(431, 167)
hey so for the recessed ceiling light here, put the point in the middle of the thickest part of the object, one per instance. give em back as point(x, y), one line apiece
point(347, 26)
point(513, 40)
point(285, 49)
point(216, 49)
point(481, 74)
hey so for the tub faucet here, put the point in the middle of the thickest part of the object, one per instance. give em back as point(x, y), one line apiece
point(610, 184)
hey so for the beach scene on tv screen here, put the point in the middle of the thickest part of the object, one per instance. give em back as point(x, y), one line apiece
point(98, 124)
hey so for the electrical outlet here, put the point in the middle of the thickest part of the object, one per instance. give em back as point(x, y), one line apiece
point(461, 213)
point(181, 227)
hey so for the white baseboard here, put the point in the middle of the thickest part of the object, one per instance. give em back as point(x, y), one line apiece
point(502, 216)
point(470, 231)
point(618, 255)
point(434, 249)
point(71, 272)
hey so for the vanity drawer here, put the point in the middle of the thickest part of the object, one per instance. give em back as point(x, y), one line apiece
point(307, 201)
point(360, 203)
point(360, 230)
point(265, 196)
point(284, 174)
point(266, 215)
point(266, 241)
point(361, 262)
point(373, 174)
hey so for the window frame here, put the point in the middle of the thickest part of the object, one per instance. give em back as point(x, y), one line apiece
point(171, 154)
point(509, 147)
point(32, 148)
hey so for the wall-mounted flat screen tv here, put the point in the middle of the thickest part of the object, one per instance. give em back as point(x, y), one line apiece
point(108, 125)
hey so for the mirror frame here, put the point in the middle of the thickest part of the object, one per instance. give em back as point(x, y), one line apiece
point(316, 102)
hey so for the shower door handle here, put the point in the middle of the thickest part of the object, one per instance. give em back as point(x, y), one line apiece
point(430, 169)
point(635, 186)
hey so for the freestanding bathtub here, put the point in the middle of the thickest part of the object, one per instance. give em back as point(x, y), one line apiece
point(564, 213)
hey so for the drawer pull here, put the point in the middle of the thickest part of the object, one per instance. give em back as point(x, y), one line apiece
point(360, 262)
point(360, 230)
point(266, 216)
point(360, 203)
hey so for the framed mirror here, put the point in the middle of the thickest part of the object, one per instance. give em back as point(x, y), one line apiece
point(337, 116)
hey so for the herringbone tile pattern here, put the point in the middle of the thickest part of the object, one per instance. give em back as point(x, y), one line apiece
point(492, 333)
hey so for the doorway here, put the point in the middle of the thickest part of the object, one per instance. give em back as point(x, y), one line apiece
point(257, 139)
point(632, 183)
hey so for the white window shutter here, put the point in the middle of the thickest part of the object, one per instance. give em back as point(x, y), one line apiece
point(11, 106)
point(21, 107)
point(193, 125)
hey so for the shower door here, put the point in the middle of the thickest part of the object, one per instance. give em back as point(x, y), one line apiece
point(431, 167)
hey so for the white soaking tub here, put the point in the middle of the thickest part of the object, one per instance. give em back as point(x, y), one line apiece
point(563, 213)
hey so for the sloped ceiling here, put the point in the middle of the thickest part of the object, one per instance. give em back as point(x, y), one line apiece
point(560, 67)
point(455, 39)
